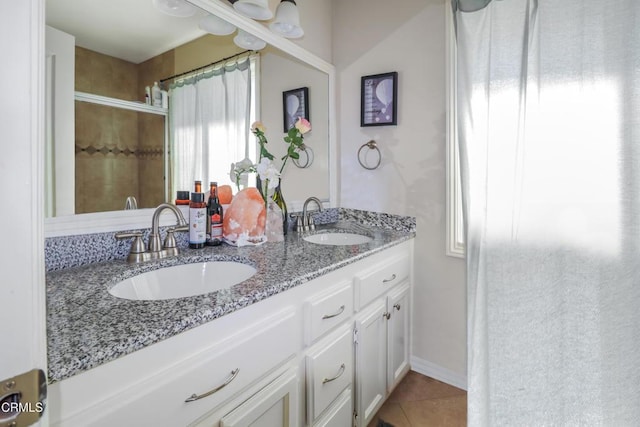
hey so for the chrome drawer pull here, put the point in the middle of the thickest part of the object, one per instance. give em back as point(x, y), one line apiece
point(340, 372)
point(195, 397)
point(396, 306)
point(386, 315)
point(391, 279)
point(338, 313)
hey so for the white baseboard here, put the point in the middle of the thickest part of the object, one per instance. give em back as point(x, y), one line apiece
point(439, 373)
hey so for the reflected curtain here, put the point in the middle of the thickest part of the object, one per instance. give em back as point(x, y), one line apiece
point(549, 134)
point(210, 116)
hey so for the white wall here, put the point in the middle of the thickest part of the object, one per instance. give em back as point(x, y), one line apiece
point(60, 138)
point(376, 36)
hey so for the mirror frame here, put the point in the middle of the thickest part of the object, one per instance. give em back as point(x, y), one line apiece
point(141, 218)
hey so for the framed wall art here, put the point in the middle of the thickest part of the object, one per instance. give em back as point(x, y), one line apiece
point(379, 100)
point(295, 104)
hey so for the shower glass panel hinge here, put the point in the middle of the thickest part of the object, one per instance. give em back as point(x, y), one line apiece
point(22, 399)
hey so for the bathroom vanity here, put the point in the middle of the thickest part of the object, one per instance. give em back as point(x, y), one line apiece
point(319, 336)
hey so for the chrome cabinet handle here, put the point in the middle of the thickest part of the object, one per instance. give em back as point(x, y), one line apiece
point(195, 397)
point(391, 279)
point(337, 313)
point(396, 306)
point(386, 315)
point(340, 372)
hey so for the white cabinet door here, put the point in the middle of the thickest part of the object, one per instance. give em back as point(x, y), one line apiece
point(340, 414)
point(276, 405)
point(371, 360)
point(397, 335)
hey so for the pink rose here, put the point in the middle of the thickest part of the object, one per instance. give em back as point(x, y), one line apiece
point(258, 126)
point(303, 125)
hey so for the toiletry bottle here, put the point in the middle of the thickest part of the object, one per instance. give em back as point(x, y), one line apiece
point(165, 99)
point(198, 187)
point(197, 221)
point(156, 95)
point(147, 95)
point(214, 217)
point(182, 203)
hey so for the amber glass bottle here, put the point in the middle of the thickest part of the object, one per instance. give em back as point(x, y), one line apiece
point(214, 217)
point(197, 221)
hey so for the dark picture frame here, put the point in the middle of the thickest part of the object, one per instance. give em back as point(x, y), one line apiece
point(295, 104)
point(379, 100)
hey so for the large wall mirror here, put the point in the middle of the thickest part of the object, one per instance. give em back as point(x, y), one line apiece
point(173, 45)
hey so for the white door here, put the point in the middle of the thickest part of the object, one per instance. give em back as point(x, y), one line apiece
point(22, 289)
point(398, 335)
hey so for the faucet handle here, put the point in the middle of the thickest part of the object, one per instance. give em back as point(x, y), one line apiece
point(137, 246)
point(170, 239)
point(299, 223)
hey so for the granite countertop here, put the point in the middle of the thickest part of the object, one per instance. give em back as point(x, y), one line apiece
point(87, 326)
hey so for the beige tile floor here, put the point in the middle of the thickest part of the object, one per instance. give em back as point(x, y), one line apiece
point(420, 401)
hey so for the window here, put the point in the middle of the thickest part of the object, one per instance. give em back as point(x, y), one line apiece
point(455, 223)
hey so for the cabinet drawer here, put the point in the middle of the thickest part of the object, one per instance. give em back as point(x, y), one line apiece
point(329, 367)
point(340, 414)
point(326, 310)
point(230, 366)
point(372, 283)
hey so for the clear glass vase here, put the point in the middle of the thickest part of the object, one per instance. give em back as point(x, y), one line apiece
point(279, 200)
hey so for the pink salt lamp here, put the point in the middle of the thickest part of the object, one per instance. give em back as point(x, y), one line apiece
point(245, 218)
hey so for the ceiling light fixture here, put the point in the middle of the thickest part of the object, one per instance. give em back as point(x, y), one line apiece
point(256, 9)
point(248, 41)
point(215, 25)
point(287, 21)
point(179, 8)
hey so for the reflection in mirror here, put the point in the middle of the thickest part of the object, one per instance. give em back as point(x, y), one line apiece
point(119, 154)
point(96, 72)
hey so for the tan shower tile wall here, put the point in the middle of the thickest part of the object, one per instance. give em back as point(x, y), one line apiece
point(106, 162)
point(155, 69)
point(151, 160)
point(105, 75)
point(96, 190)
point(119, 153)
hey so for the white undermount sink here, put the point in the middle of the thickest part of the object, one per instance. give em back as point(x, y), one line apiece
point(182, 281)
point(338, 239)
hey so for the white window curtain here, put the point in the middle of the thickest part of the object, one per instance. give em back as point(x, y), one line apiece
point(210, 116)
point(549, 133)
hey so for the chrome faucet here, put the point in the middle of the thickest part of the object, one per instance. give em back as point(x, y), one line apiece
point(139, 253)
point(307, 219)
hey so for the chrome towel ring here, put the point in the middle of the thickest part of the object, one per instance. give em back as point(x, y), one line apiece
point(362, 159)
point(306, 157)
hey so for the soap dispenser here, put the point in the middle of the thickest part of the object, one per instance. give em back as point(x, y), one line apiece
point(156, 95)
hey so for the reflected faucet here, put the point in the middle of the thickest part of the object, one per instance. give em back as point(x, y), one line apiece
point(139, 253)
point(307, 219)
point(130, 203)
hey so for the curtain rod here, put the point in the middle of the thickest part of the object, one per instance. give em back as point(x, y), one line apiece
point(206, 66)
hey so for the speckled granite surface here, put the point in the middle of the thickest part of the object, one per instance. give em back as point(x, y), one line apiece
point(74, 251)
point(87, 327)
